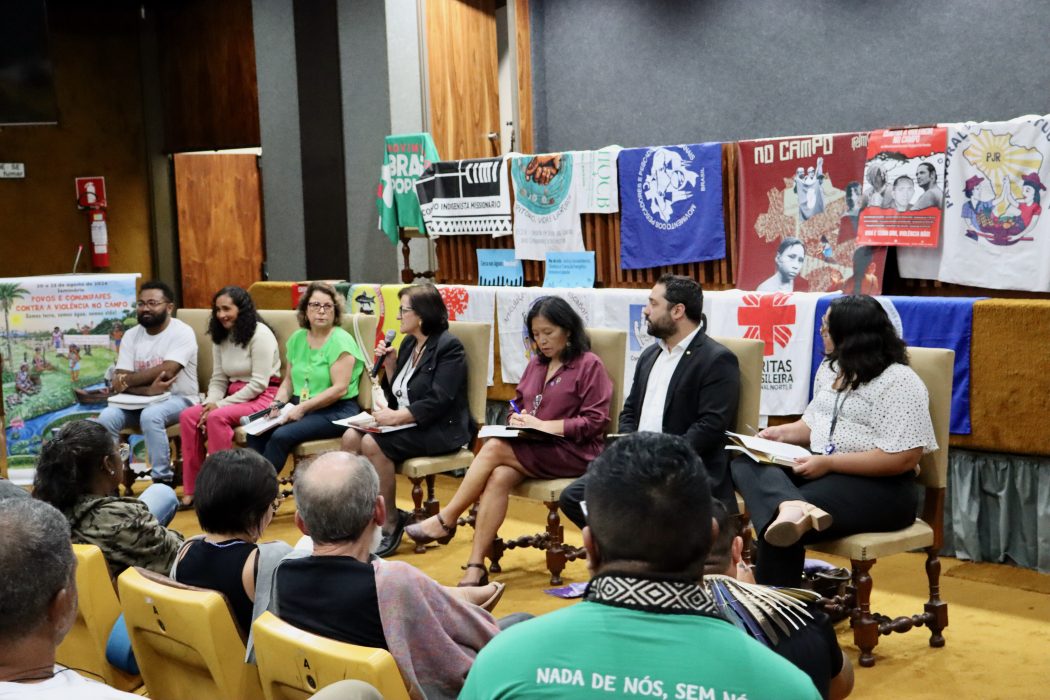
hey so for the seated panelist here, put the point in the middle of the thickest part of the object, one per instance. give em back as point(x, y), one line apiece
point(321, 380)
point(246, 372)
point(425, 383)
point(684, 384)
point(564, 390)
point(868, 425)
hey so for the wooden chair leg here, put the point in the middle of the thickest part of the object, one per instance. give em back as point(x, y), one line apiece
point(556, 550)
point(936, 609)
point(496, 550)
point(129, 478)
point(744, 520)
point(432, 505)
point(417, 498)
point(865, 626)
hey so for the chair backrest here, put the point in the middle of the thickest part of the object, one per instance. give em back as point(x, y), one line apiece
point(366, 325)
point(295, 664)
point(198, 320)
point(749, 355)
point(283, 323)
point(475, 338)
point(185, 640)
point(935, 367)
point(610, 345)
point(84, 648)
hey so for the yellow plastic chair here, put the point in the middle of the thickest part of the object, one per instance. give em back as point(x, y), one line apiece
point(185, 640)
point(84, 648)
point(294, 664)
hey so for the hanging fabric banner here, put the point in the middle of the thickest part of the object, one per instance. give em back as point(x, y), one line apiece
point(671, 211)
point(477, 304)
point(994, 233)
point(799, 200)
point(405, 158)
point(465, 197)
point(546, 208)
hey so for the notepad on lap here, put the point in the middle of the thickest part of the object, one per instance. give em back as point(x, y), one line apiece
point(265, 424)
point(364, 422)
point(510, 433)
point(134, 402)
point(766, 451)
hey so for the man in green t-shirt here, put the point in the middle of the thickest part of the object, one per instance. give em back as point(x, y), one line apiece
point(647, 627)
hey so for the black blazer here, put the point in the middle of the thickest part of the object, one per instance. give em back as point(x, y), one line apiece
point(701, 403)
point(438, 389)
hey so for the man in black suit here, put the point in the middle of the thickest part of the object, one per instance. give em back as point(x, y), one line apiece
point(684, 384)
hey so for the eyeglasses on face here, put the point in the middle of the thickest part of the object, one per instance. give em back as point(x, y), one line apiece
point(318, 306)
point(152, 303)
point(402, 310)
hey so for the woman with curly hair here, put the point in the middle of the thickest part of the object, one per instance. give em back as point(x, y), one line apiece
point(868, 426)
point(245, 376)
point(78, 473)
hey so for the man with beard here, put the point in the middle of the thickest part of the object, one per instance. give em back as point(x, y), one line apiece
point(156, 356)
point(684, 384)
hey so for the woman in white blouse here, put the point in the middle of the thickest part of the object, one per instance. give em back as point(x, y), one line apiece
point(868, 425)
point(244, 380)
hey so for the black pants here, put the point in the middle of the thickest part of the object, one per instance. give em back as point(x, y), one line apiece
point(573, 495)
point(855, 503)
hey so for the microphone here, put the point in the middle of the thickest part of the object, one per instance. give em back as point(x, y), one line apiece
point(390, 335)
point(245, 420)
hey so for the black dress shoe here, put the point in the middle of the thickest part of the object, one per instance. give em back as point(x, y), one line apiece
point(392, 541)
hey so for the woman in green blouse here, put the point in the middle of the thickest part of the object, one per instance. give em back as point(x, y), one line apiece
point(321, 378)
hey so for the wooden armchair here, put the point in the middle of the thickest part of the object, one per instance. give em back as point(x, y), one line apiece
point(934, 366)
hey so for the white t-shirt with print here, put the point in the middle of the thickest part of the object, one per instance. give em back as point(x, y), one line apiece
point(890, 413)
point(66, 685)
point(139, 350)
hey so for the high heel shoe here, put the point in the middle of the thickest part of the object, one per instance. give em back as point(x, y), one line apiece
point(415, 531)
point(483, 581)
point(795, 519)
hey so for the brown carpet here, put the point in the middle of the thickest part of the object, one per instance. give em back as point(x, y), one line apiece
point(997, 640)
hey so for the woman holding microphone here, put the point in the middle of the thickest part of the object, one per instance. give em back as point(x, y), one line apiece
point(425, 383)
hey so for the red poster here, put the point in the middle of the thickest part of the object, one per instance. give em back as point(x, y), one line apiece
point(799, 199)
point(903, 187)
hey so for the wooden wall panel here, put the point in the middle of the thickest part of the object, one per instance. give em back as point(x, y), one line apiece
point(462, 69)
point(219, 208)
point(95, 52)
point(211, 97)
point(524, 127)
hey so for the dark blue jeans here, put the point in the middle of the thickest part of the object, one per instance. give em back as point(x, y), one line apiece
point(277, 444)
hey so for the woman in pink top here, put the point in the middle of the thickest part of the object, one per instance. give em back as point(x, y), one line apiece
point(245, 377)
point(564, 390)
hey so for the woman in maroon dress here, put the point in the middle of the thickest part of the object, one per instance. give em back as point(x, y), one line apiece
point(564, 390)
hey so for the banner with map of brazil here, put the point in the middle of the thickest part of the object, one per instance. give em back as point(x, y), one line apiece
point(799, 201)
point(994, 233)
point(59, 339)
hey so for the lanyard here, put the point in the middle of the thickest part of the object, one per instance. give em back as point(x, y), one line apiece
point(840, 401)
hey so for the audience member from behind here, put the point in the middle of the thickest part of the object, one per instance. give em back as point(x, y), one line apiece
point(78, 472)
point(38, 605)
point(804, 636)
point(425, 382)
point(245, 376)
point(868, 426)
point(343, 593)
point(237, 498)
point(647, 625)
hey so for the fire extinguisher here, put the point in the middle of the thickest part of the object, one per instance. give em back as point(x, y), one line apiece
point(99, 239)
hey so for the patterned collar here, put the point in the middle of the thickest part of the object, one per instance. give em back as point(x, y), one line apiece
point(654, 594)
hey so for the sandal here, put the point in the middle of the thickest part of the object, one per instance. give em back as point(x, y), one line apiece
point(415, 531)
point(490, 603)
point(483, 581)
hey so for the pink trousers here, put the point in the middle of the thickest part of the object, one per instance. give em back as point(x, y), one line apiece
point(217, 433)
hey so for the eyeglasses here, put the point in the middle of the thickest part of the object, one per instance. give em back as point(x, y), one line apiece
point(318, 306)
point(402, 309)
point(152, 303)
point(124, 451)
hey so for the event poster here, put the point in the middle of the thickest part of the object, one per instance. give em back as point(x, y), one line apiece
point(60, 338)
point(671, 205)
point(465, 197)
point(799, 202)
point(994, 233)
point(902, 191)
